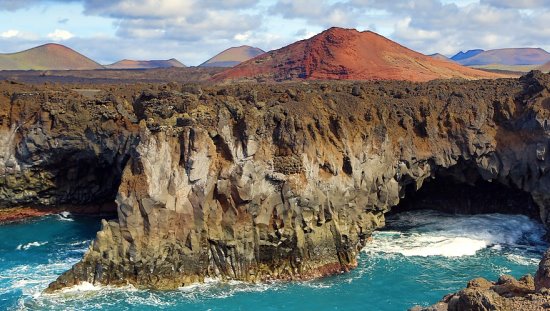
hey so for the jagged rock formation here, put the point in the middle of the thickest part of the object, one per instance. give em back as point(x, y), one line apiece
point(58, 147)
point(258, 182)
point(288, 181)
point(506, 294)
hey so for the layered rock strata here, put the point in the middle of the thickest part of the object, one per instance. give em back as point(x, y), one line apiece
point(261, 182)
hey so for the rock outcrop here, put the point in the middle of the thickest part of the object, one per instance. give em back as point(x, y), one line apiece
point(288, 181)
point(506, 294)
point(260, 182)
point(60, 148)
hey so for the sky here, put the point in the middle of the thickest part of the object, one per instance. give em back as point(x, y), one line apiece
point(192, 31)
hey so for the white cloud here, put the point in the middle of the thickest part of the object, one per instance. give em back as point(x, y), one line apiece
point(60, 35)
point(241, 37)
point(10, 33)
point(518, 4)
point(13, 34)
point(304, 34)
point(430, 26)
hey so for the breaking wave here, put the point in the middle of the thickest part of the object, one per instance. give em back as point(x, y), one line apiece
point(65, 216)
point(25, 247)
point(432, 233)
point(422, 245)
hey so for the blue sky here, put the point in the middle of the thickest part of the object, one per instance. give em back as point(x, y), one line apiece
point(194, 30)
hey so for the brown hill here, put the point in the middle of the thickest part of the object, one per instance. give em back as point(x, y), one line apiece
point(47, 57)
point(233, 56)
point(145, 64)
point(348, 54)
point(440, 57)
point(545, 67)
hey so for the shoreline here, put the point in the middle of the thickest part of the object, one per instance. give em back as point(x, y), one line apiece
point(18, 214)
point(9, 215)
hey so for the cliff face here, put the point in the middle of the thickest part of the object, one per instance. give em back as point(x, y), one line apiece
point(258, 182)
point(60, 148)
point(288, 181)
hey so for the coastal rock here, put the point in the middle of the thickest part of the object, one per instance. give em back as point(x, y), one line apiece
point(293, 189)
point(542, 277)
point(507, 294)
point(211, 183)
point(58, 148)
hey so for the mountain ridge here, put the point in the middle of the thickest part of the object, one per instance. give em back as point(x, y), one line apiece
point(463, 55)
point(507, 56)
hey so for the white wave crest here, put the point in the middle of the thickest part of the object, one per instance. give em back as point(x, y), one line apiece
point(25, 247)
point(83, 287)
point(436, 234)
point(522, 260)
point(86, 287)
point(65, 216)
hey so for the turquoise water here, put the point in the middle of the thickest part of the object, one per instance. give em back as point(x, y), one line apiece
point(421, 256)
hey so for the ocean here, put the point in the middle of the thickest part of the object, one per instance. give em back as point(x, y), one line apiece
point(418, 258)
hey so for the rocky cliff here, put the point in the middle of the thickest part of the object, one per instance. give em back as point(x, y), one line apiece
point(260, 182)
point(288, 181)
point(58, 147)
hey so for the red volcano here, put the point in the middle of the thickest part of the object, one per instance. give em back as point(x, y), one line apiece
point(348, 54)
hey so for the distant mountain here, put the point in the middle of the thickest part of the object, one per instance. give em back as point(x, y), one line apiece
point(440, 57)
point(47, 57)
point(545, 67)
point(463, 55)
point(509, 57)
point(233, 56)
point(145, 64)
point(347, 54)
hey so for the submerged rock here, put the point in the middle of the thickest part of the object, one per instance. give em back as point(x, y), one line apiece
point(507, 294)
point(216, 185)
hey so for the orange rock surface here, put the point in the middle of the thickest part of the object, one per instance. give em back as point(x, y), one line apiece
point(347, 54)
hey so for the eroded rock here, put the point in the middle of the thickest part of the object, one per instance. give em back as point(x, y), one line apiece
point(218, 186)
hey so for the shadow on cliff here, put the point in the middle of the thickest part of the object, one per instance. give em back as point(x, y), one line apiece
point(461, 189)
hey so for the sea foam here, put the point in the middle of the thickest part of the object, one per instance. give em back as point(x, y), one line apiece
point(437, 234)
point(25, 247)
point(65, 216)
